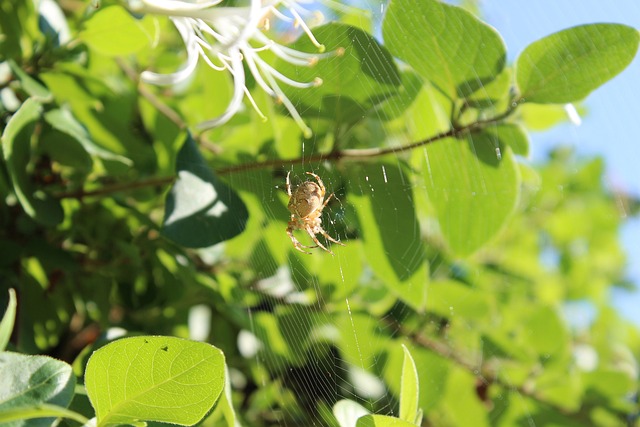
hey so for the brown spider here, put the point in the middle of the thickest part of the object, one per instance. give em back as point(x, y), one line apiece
point(306, 203)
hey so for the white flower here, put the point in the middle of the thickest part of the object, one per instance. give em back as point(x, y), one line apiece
point(225, 38)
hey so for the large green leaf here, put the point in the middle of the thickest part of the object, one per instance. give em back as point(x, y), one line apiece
point(27, 382)
point(113, 31)
point(152, 378)
point(358, 76)
point(200, 209)
point(16, 146)
point(570, 64)
point(473, 189)
point(383, 200)
point(445, 44)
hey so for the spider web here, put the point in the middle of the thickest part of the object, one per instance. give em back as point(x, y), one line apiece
point(324, 346)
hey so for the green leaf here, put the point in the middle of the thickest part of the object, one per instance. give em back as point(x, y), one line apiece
point(383, 200)
point(200, 209)
point(494, 92)
point(38, 411)
point(568, 65)
point(153, 378)
point(473, 191)
point(6, 325)
point(226, 402)
point(29, 381)
point(450, 297)
point(409, 390)
point(30, 85)
point(112, 31)
point(347, 412)
point(512, 135)
point(16, 145)
point(445, 44)
point(358, 76)
point(382, 421)
point(62, 119)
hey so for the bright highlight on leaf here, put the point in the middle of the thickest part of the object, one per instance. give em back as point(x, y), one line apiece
point(568, 65)
point(201, 210)
point(153, 378)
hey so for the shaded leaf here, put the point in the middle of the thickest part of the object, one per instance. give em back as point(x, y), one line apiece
point(511, 135)
point(63, 120)
point(445, 44)
point(16, 145)
point(153, 378)
point(383, 200)
point(29, 381)
point(30, 85)
point(568, 65)
point(200, 209)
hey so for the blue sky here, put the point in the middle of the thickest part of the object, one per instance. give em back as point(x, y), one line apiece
point(612, 127)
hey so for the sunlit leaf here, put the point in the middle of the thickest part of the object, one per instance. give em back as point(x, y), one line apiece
point(113, 31)
point(445, 44)
point(200, 209)
point(382, 421)
point(359, 75)
point(409, 389)
point(16, 145)
point(29, 381)
point(153, 378)
point(568, 65)
point(473, 189)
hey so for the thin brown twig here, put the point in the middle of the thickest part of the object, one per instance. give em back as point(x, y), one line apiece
point(363, 153)
point(151, 97)
point(108, 189)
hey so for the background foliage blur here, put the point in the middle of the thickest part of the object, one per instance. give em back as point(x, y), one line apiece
point(459, 248)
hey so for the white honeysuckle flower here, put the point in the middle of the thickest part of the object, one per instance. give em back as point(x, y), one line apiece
point(226, 38)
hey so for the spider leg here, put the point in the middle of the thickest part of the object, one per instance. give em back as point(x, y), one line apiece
point(324, 233)
point(288, 184)
point(320, 183)
point(315, 239)
point(326, 201)
point(296, 243)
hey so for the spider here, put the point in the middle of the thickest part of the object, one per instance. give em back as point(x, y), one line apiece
point(306, 203)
